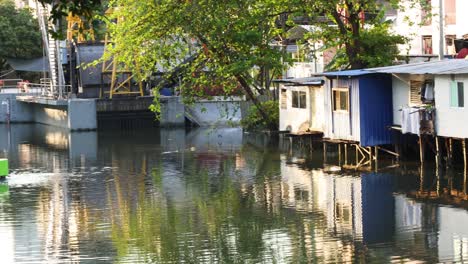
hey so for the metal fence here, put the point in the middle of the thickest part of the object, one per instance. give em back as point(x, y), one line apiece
point(43, 89)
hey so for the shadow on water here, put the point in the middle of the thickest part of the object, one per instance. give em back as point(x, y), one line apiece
point(215, 195)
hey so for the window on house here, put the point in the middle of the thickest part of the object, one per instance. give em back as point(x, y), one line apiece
point(284, 99)
point(426, 18)
point(415, 92)
point(299, 99)
point(427, 44)
point(450, 12)
point(457, 94)
point(340, 99)
point(450, 45)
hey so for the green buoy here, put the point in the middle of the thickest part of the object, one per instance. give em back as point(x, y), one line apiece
point(3, 167)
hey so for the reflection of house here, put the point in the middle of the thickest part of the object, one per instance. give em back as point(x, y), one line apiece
point(301, 105)
point(354, 207)
point(358, 207)
point(453, 235)
point(416, 228)
point(358, 107)
point(439, 84)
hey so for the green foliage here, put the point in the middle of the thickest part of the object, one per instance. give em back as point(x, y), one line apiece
point(199, 43)
point(255, 121)
point(358, 30)
point(19, 33)
point(378, 48)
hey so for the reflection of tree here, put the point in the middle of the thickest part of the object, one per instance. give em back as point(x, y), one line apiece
point(224, 207)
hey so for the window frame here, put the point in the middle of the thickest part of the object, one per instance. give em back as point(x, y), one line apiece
point(450, 12)
point(415, 92)
point(284, 98)
point(339, 90)
point(456, 85)
point(297, 104)
point(423, 38)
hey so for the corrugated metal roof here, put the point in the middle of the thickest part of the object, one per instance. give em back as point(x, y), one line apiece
point(309, 81)
point(87, 54)
point(451, 66)
point(349, 73)
point(29, 65)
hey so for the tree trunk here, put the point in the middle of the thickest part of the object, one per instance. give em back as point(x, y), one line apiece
point(248, 91)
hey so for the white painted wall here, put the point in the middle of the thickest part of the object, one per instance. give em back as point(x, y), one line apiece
point(300, 119)
point(401, 96)
point(415, 31)
point(450, 121)
point(305, 69)
point(292, 119)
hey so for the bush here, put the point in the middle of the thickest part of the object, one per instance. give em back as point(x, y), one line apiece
point(255, 121)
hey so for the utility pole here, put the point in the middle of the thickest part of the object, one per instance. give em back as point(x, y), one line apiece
point(441, 30)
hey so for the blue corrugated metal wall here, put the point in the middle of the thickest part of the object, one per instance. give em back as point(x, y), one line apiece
point(376, 109)
point(378, 207)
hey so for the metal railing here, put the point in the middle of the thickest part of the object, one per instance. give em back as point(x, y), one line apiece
point(43, 89)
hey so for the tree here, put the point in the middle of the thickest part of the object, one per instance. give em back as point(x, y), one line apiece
point(219, 42)
point(357, 29)
point(19, 33)
point(212, 43)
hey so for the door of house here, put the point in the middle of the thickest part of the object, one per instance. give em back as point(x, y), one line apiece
point(316, 108)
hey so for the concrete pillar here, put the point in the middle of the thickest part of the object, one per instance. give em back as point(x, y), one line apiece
point(82, 114)
point(172, 112)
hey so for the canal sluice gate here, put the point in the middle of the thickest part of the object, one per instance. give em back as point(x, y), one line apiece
point(218, 195)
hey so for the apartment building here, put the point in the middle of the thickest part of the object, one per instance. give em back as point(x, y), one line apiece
point(422, 27)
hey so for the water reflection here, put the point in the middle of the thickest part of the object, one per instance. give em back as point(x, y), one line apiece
point(214, 196)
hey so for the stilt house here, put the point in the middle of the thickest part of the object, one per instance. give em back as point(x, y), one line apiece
point(301, 105)
point(435, 92)
point(358, 107)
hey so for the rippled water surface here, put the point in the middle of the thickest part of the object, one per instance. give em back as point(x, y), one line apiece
point(215, 196)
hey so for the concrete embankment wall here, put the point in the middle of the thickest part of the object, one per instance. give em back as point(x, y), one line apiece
point(83, 114)
point(19, 113)
point(75, 115)
point(219, 111)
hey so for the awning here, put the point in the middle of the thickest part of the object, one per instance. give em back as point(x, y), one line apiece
point(29, 65)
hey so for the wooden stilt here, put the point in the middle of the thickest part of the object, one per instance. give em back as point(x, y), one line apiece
point(438, 189)
point(421, 178)
point(465, 168)
point(357, 154)
point(346, 154)
point(464, 182)
point(310, 145)
point(398, 152)
point(421, 149)
point(370, 156)
point(339, 154)
point(376, 150)
point(324, 152)
point(464, 153)
point(290, 145)
point(437, 151)
point(450, 151)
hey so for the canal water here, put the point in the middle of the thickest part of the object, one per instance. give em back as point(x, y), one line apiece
point(216, 196)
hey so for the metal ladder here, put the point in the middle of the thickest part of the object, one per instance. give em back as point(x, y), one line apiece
point(52, 49)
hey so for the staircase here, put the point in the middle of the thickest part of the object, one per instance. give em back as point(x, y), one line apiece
point(52, 48)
